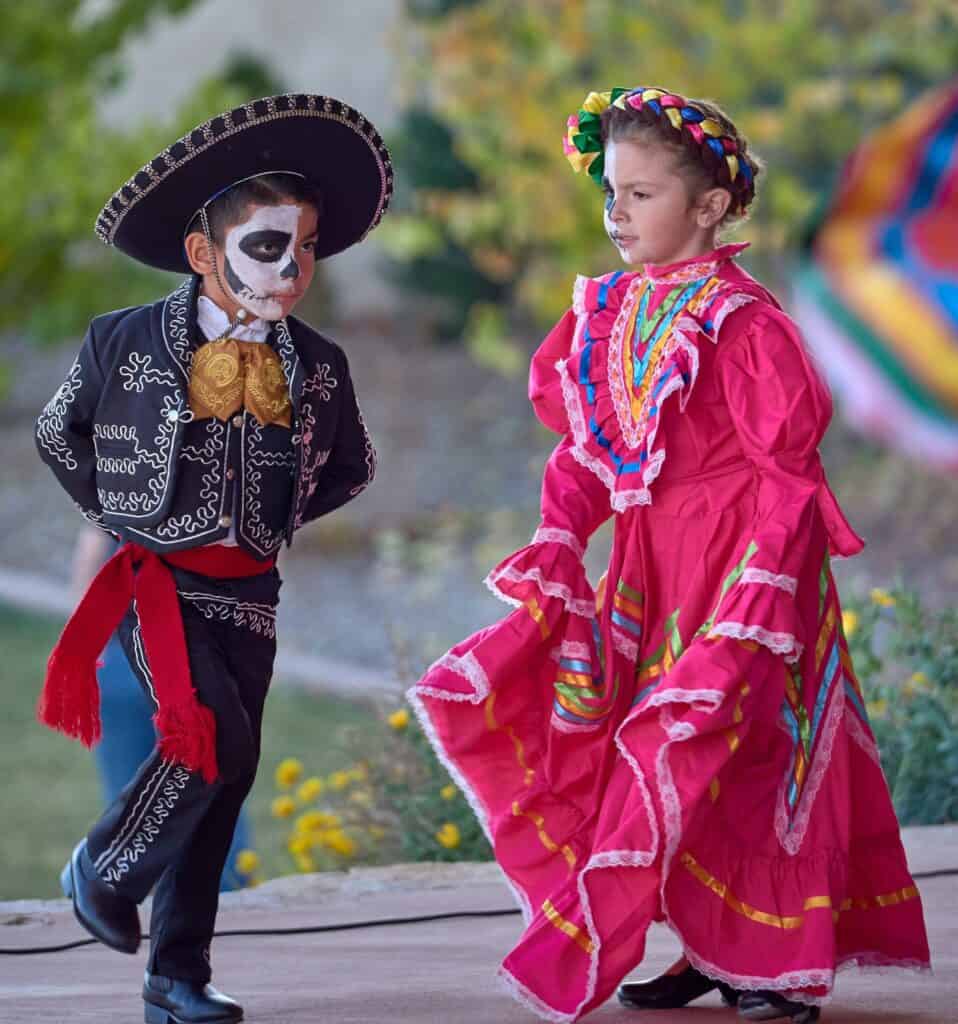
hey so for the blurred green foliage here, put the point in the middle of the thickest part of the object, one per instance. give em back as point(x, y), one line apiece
point(59, 163)
point(907, 659)
point(804, 81)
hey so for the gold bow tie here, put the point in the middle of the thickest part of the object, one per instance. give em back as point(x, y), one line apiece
point(229, 375)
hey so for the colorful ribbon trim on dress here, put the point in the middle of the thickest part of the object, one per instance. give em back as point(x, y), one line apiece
point(788, 922)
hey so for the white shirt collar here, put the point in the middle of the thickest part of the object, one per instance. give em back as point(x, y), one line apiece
point(214, 323)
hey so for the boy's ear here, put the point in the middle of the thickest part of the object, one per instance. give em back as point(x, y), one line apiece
point(198, 253)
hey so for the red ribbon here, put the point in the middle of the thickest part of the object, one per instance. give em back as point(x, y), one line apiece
point(70, 701)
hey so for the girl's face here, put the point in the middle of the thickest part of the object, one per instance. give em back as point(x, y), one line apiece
point(269, 258)
point(649, 214)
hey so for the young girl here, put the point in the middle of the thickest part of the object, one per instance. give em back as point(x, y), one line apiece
point(692, 747)
point(203, 430)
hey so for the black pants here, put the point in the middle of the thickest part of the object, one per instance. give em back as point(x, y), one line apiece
point(169, 828)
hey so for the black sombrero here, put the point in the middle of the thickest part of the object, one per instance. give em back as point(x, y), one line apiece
point(326, 141)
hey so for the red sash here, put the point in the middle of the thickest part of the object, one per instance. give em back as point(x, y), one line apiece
point(70, 701)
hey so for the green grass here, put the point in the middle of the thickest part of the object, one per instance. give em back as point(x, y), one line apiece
point(49, 794)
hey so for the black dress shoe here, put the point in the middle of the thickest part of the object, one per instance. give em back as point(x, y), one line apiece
point(774, 1006)
point(671, 991)
point(178, 1001)
point(106, 915)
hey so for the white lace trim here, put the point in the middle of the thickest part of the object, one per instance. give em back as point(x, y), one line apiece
point(470, 669)
point(701, 700)
point(625, 645)
point(856, 732)
point(578, 294)
point(777, 643)
point(550, 535)
point(787, 583)
point(577, 650)
point(529, 999)
point(794, 984)
point(791, 838)
point(466, 666)
point(732, 303)
point(576, 605)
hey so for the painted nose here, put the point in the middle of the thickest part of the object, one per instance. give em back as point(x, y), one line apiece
point(290, 271)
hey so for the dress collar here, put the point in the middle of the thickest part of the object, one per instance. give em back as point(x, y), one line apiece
point(214, 323)
point(694, 268)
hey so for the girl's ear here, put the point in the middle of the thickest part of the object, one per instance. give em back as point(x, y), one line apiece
point(712, 207)
point(198, 253)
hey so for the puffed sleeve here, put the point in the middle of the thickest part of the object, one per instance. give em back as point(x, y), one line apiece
point(574, 502)
point(351, 465)
point(780, 409)
point(545, 386)
point(64, 430)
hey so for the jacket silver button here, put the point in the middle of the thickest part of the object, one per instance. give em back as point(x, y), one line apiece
point(230, 473)
point(173, 415)
point(238, 420)
point(226, 520)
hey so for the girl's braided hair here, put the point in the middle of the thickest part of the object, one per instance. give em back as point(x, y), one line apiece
point(711, 151)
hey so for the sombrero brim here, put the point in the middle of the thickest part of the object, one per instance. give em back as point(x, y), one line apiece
point(330, 143)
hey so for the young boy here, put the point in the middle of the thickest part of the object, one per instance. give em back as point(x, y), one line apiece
point(202, 431)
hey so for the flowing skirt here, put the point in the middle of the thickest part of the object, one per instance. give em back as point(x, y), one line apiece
point(645, 757)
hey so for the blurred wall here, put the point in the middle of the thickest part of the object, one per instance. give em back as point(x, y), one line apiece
point(338, 49)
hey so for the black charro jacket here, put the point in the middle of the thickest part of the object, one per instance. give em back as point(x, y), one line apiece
point(121, 438)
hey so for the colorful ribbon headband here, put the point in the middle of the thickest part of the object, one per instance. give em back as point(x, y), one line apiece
point(583, 140)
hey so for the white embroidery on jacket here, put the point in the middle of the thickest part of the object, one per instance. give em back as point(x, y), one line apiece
point(51, 423)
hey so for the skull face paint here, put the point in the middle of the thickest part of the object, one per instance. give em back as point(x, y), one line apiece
point(261, 266)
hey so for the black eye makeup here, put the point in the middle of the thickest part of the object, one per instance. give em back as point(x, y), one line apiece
point(266, 246)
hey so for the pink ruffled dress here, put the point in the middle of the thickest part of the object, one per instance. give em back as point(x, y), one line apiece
point(692, 748)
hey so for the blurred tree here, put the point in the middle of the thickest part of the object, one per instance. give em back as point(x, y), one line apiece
point(59, 164)
point(804, 80)
point(429, 259)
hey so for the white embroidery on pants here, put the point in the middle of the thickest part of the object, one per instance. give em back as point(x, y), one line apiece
point(150, 825)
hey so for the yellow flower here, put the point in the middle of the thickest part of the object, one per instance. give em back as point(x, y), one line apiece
point(849, 621)
point(283, 806)
point(288, 771)
point(877, 708)
point(916, 682)
point(339, 780)
point(882, 598)
point(315, 821)
point(299, 845)
point(310, 789)
point(448, 836)
point(304, 862)
point(398, 720)
point(448, 792)
point(247, 861)
point(362, 797)
point(339, 842)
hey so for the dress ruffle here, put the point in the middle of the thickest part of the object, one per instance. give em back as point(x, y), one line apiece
point(549, 567)
point(614, 429)
point(761, 607)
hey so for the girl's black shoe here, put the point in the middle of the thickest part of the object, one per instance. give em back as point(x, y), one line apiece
point(774, 1006)
point(671, 991)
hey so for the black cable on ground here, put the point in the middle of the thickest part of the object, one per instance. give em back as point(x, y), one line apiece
point(351, 925)
point(306, 930)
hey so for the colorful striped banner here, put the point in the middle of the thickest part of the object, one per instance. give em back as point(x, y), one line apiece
point(878, 294)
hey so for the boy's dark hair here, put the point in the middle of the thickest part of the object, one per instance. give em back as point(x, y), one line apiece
point(264, 190)
point(701, 167)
